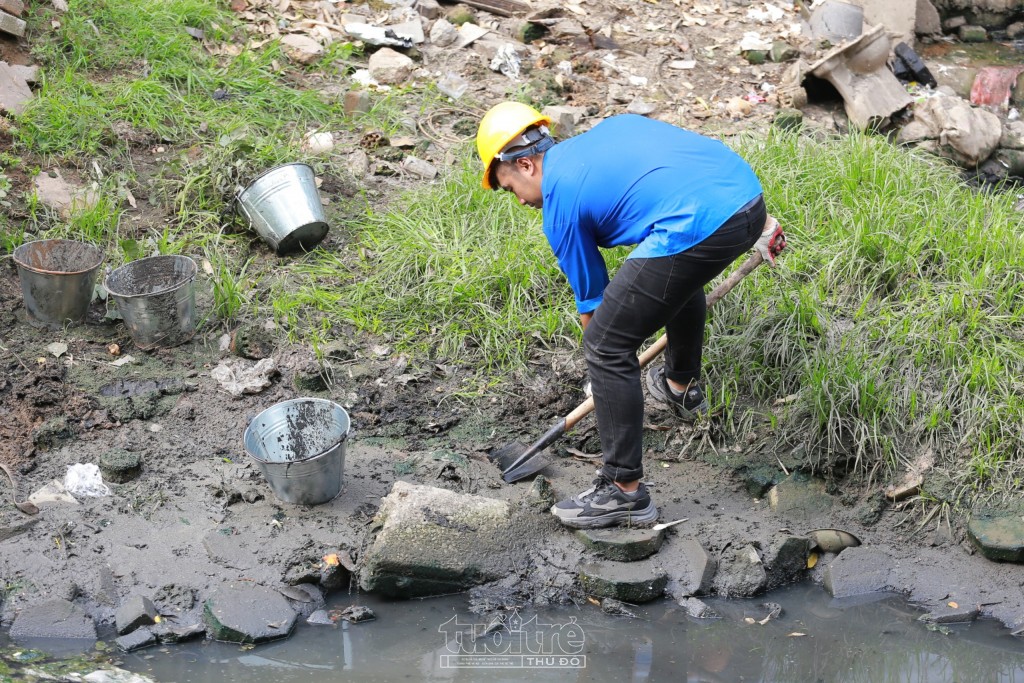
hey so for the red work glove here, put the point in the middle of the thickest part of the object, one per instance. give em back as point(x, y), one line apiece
point(772, 241)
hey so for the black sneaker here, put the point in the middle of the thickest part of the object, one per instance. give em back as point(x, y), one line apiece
point(689, 406)
point(605, 504)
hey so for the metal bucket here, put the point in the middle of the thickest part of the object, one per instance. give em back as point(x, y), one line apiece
point(299, 446)
point(157, 299)
point(283, 206)
point(57, 278)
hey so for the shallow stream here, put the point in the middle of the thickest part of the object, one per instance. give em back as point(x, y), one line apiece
point(815, 639)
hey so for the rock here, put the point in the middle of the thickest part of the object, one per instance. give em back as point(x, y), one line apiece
point(252, 341)
point(973, 34)
point(14, 91)
point(632, 582)
point(419, 167)
point(134, 611)
point(1018, 92)
point(120, 466)
point(858, 571)
point(1013, 135)
point(966, 134)
point(954, 23)
point(1011, 160)
point(616, 608)
point(564, 119)
point(799, 497)
point(321, 617)
point(52, 433)
point(112, 674)
point(1013, 31)
point(787, 118)
point(248, 613)
point(61, 196)
point(897, 17)
point(622, 544)
point(301, 48)
point(388, 66)
point(443, 33)
point(186, 627)
point(698, 609)
point(318, 142)
point(55, 618)
point(691, 568)
point(136, 640)
point(29, 72)
point(960, 79)
point(540, 496)
point(755, 56)
point(433, 541)
point(641, 107)
point(999, 535)
point(310, 377)
point(428, 9)
point(786, 560)
point(951, 615)
point(357, 102)
point(740, 572)
point(927, 22)
point(783, 52)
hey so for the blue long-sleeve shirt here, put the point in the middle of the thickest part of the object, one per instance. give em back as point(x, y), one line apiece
point(633, 180)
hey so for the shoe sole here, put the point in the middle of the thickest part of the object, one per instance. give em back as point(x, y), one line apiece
point(629, 517)
point(677, 409)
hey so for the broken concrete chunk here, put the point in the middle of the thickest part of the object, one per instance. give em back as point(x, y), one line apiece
point(428, 9)
point(786, 560)
point(858, 571)
point(15, 7)
point(388, 66)
point(927, 21)
point(433, 541)
point(999, 535)
point(55, 192)
point(55, 618)
point(380, 35)
point(419, 167)
point(947, 614)
point(622, 544)
point(136, 640)
point(241, 613)
point(135, 611)
point(690, 567)
point(973, 34)
point(239, 378)
point(632, 582)
point(357, 102)
point(799, 497)
point(12, 24)
point(740, 572)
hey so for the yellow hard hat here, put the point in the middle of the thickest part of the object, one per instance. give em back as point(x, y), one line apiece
point(502, 124)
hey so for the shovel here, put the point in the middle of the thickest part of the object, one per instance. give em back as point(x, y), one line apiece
point(517, 461)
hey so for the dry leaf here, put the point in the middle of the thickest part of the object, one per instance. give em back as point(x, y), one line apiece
point(332, 560)
point(796, 634)
point(750, 620)
point(113, 349)
point(207, 267)
point(593, 601)
point(952, 604)
point(812, 560)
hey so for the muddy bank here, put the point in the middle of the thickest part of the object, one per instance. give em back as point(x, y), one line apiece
point(193, 515)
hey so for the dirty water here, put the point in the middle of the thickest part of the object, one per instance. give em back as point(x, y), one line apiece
point(814, 639)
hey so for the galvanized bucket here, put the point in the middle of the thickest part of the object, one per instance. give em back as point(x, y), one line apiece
point(157, 299)
point(283, 206)
point(299, 446)
point(57, 278)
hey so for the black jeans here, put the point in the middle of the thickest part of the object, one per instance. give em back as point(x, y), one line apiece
point(644, 296)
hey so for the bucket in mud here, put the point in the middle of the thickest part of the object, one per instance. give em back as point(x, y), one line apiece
point(157, 299)
point(57, 278)
point(299, 446)
point(283, 206)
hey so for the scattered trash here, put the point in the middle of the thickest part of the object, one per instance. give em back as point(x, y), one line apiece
point(452, 85)
point(58, 349)
point(318, 142)
point(123, 360)
point(507, 61)
point(832, 540)
point(85, 480)
point(239, 378)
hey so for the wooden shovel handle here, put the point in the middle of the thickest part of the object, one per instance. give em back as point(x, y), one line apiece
point(655, 349)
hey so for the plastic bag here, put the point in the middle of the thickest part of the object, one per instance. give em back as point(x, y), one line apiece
point(85, 480)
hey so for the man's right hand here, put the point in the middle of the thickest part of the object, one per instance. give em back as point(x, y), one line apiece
point(771, 242)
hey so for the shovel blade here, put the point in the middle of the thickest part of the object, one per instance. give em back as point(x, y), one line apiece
point(509, 459)
point(505, 456)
